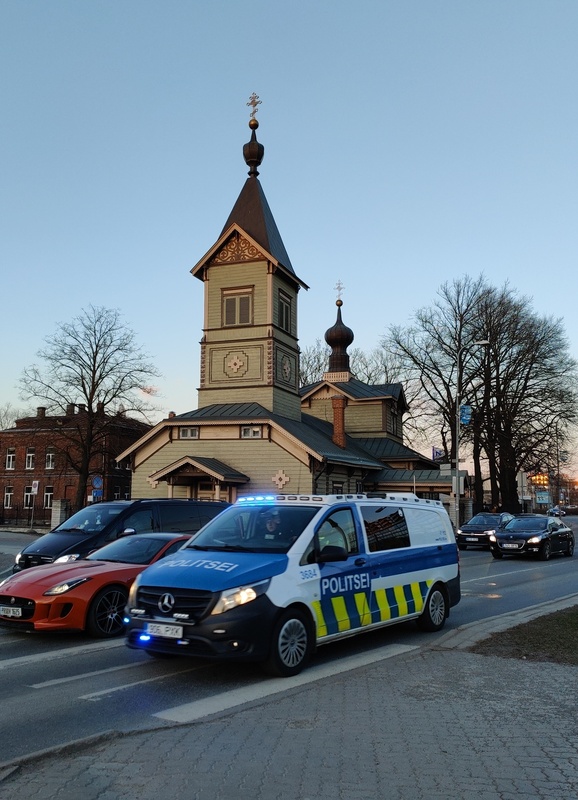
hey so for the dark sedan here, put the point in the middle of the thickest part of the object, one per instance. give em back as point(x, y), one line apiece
point(533, 533)
point(477, 531)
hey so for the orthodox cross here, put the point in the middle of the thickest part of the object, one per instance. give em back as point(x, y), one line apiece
point(254, 101)
point(339, 287)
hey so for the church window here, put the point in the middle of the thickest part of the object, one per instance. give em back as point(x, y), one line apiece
point(251, 432)
point(284, 312)
point(237, 308)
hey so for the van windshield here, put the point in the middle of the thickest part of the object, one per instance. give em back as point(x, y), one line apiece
point(91, 519)
point(255, 529)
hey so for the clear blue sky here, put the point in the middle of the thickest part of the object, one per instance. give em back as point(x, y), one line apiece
point(406, 143)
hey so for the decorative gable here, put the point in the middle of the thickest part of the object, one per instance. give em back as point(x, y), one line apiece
point(236, 249)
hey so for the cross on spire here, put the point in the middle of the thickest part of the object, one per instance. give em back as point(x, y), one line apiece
point(254, 101)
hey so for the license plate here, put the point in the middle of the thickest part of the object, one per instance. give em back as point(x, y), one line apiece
point(510, 546)
point(471, 539)
point(168, 631)
point(10, 611)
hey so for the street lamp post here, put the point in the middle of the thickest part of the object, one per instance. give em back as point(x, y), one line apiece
point(481, 343)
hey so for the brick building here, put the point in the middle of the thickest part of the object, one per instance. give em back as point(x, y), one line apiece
point(36, 457)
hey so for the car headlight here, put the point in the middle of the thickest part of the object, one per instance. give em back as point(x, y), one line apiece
point(460, 530)
point(535, 540)
point(490, 533)
point(67, 559)
point(492, 536)
point(231, 598)
point(17, 559)
point(65, 586)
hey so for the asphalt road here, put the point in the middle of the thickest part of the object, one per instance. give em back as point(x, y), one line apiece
point(55, 688)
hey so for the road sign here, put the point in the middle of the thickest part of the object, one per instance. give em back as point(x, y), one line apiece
point(97, 482)
point(34, 487)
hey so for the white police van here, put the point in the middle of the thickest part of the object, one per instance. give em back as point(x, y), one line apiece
point(270, 578)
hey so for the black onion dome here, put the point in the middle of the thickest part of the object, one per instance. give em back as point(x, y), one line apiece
point(253, 151)
point(339, 337)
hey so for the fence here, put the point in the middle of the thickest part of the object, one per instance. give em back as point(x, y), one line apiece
point(20, 517)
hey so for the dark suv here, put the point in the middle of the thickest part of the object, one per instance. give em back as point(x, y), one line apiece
point(100, 523)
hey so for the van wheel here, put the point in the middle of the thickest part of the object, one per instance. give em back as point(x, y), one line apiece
point(434, 615)
point(291, 644)
point(106, 612)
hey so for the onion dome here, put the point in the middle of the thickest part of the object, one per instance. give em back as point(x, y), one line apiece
point(339, 337)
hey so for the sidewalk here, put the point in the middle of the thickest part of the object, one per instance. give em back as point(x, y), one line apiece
point(435, 724)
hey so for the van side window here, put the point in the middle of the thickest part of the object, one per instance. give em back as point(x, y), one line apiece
point(336, 530)
point(142, 521)
point(386, 527)
point(179, 517)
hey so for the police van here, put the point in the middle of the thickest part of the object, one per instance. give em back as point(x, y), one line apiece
point(271, 578)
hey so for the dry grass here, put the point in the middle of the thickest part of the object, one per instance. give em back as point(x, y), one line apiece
point(553, 637)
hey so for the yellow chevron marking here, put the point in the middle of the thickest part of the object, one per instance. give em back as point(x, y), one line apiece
point(362, 608)
point(321, 626)
point(401, 601)
point(416, 594)
point(340, 609)
point(383, 605)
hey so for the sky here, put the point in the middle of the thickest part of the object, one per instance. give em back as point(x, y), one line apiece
point(407, 143)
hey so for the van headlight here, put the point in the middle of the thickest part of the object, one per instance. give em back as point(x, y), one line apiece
point(231, 598)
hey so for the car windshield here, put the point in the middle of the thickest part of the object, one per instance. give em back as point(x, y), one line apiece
point(91, 519)
point(527, 524)
point(133, 549)
point(255, 529)
point(484, 519)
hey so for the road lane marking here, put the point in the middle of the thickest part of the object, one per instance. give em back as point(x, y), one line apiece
point(188, 712)
point(123, 686)
point(80, 675)
point(53, 655)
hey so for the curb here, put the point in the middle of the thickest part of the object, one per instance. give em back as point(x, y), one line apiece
point(467, 635)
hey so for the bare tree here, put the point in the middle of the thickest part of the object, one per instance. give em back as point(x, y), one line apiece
point(520, 385)
point(94, 363)
point(9, 414)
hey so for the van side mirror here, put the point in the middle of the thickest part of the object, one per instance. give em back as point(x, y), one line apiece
point(332, 552)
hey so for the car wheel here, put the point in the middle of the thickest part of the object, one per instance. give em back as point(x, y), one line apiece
point(433, 617)
point(570, 550)
point(105, 615)
point(497, 554)
point(545, 551)
point(291, 644)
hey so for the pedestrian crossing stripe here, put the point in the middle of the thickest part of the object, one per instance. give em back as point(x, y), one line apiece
point(342, 613)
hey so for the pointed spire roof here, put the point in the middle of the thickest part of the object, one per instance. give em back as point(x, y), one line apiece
point(251, 212)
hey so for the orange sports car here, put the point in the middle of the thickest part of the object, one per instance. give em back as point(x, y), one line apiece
point(89, 594)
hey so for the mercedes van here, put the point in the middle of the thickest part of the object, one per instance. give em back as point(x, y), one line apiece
point(271, 578)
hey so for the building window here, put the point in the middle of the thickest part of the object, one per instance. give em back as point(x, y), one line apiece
point(251, 432)
point(284, 312)
point(50, 458)
point(117, 492)
point(237, 308)
point(48, 496)
point(11, 458)
point(8, 496)
point(188, 433)
point(29, 458)
point(28, 497)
